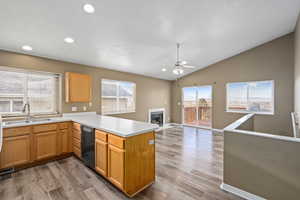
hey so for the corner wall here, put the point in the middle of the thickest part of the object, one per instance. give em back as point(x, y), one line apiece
point(271, 61)
point(264, 166)
point(297, 67)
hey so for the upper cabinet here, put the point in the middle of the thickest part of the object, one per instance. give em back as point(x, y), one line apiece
point(78, 87)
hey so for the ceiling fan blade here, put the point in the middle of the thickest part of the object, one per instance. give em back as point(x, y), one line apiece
point(188, 66)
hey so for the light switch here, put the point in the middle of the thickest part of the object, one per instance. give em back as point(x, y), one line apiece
point(84, 108)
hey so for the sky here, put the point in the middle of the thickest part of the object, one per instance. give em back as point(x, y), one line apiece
point(203, 92)
point(262, 89)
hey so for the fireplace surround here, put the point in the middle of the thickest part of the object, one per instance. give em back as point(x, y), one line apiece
point(157, 116)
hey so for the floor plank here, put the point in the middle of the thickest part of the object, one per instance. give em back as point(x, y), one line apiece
point(189, 165)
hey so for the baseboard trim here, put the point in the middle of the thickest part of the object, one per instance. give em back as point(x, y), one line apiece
point(239, 192)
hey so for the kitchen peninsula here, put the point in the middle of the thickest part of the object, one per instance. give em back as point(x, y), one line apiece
point(121, 150)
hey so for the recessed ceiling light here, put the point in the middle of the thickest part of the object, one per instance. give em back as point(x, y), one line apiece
point(88, 8)
point(163, 69)
point(69, 40)
point(27, 48)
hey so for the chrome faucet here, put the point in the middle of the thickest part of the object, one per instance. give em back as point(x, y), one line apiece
point(27, 105)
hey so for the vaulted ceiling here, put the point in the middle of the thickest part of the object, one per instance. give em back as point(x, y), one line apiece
point(140, 36)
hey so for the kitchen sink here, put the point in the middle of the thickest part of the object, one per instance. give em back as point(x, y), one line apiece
point(15, 122)
point(26, 121)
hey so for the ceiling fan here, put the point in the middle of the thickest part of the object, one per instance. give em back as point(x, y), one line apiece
point(180, 64)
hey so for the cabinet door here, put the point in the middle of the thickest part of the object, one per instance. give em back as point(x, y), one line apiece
point(64, 141)
point(116, 166)
point(101, 157)
point(45, 144)
point(78, 87)
point(15, 151)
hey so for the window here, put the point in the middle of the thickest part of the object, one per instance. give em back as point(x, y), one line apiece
point(251, 97)
point(117, 97)
point(18, 87)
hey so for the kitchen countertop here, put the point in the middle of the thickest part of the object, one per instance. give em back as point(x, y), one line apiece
point(118, 126)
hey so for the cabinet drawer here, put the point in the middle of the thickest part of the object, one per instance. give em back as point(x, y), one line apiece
point(76, 143)
point(101, 135)
point(77, 134)
point(9, 132)
point(44, 128)
point(76, 126)
point(77, 151)
point(116, 141)
point(63, 125)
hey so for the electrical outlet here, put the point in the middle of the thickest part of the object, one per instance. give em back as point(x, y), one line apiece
point(90, 104)
point(74, 108)
point(84, 108)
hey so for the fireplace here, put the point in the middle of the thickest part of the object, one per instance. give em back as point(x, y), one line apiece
point(157, 116)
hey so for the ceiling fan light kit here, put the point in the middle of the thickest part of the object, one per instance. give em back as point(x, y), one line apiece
point(178, 71)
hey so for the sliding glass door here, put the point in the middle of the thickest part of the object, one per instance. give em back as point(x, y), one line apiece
point(197, 106)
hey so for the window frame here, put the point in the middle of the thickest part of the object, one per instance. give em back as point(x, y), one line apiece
point(117, 97)
point(58, 93)
point(272, 112)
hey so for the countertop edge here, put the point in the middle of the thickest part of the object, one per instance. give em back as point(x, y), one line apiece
point(115, 132)
point(56, 120)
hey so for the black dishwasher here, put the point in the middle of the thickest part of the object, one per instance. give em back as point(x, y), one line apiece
point(88, 146)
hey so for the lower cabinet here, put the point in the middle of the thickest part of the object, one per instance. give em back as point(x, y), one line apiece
point(76, 139)
point(15, 151)
point(26, 144)
point(64, 141)
point(116, 165)
point(130, 161)
point(101, 157)
point(45, 144)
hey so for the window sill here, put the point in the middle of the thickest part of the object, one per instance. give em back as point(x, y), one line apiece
point(248, 112)
point(117, 113)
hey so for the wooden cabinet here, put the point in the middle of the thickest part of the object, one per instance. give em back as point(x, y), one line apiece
point(101, 157)
point(64, 138)
point(64, 141)
point(15, 151)
point(78, 87)
point(116, 165)
point(17, 131)
point(130, 161)
point(45, 145)
point(76, 139)
point(23, 145)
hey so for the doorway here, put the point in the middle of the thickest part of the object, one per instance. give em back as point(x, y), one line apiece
point(197, 106)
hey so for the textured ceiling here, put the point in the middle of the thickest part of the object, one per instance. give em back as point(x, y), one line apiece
point(139, 36)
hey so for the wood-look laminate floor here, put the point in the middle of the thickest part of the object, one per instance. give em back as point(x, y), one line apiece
point(189, 165)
